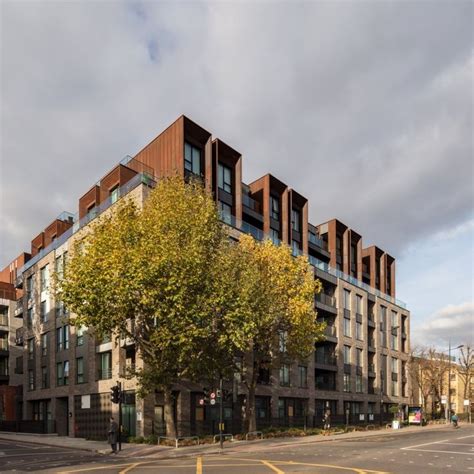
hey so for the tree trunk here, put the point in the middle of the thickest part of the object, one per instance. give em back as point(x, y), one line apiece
point(169, 413)
point(250, 414)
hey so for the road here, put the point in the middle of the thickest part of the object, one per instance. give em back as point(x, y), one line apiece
point(443, 450)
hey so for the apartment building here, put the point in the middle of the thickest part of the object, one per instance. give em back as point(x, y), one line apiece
point(358, 371)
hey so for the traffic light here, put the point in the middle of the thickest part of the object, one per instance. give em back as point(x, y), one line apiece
point(115, 394)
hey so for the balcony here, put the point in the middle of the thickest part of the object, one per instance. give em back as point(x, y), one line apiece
point(104, 374)
point(18, 311)
point(320, 243)
point(371, 320)
point(371, 370)
point(128, 371)
point(19, 337)
point(326, 299)
point(3, 322)
point(327, 360)
point(371, 345)
point(251, 203)
point(3, 346)
point(19, 281)
point(330, 332)
point(325, 386)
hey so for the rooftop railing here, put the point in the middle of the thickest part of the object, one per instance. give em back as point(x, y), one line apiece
point(79, 224)
point(243, 226)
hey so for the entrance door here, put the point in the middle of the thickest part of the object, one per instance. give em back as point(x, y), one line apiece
point(129, 419)
point(62, 416)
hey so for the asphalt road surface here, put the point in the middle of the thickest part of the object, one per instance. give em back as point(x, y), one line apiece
point(443, 450)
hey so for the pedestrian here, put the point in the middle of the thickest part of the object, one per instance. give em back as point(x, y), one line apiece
point(327, 421)
point(112, 435)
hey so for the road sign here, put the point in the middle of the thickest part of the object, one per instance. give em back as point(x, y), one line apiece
point(466, 403)
point(444, 399)
point(201, 401)
point(213, 401)
point(212, 395)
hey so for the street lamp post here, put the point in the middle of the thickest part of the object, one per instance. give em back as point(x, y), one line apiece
point(448, 404)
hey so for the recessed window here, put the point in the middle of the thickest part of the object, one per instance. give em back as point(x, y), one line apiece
point(347, 382)
point(347, 327)
point(284, 375)
point(295, 220)
point(347, 299)
point(274, 208)
point(114, 194)
point(80, 370)
point(192, 159)
point(224, 178)
point(302, 376)
point(347, 354)
point(225, 212)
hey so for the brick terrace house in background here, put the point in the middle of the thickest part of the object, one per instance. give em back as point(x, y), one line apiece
point(358, 371)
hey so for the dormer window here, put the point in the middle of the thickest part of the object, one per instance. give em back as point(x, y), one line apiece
point(274, 208)
point(224, 178)
point(114, 194)
point(192, 159)
point(295, 220)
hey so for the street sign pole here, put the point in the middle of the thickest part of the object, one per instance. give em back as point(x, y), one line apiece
point(221, 415)
point(120, 416)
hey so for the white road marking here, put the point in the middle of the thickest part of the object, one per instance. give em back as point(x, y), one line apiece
point(425, 444)
point(464, 437)
point(439, 451)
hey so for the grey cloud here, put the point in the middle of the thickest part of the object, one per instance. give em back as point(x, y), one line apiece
point(364, 108)
point(452, 324)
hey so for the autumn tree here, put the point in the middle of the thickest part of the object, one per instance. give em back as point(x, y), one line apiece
point(160, 267)
point(273, 319)
point(466, 369)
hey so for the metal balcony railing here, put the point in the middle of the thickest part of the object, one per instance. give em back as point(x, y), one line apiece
point(250, 203)
point(104, 374)
point(317, 241)
point(330, 331)
point(326, 359)
point(326, 299)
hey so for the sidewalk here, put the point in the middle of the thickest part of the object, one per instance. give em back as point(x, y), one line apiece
point(140, 450)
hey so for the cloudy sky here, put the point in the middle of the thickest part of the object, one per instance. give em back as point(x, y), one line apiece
point(366, 108)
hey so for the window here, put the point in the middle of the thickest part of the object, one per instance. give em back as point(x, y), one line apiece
point(29, 318)
point(283, 337)
point(224, 178)
point(80, 335)
point(394, 342)
point(59, 374)
point(359, 304)
point(359, 384)
point(31, 349)
point(394, 319)
point(105, 365)
point(295, 248)
point(62, 338)
point(192, 159)
point(58, 267)
point(44, 344)
point(383, 326)
point(80, 370)
point(359, 331)
point(347, 382)
point(394, 365)
point(225, 211)
point(359, 357)
point(347, 299)
point(285, 375)
point(347, 327)
point(274, 208)
point(31, 380)
point(114, 194)
point(275, 236)
point(295, 220)
point(302, 376)
point(43, 312)
point(347, 354)
point(44, 377)
point(44, 278)
point(29, 288)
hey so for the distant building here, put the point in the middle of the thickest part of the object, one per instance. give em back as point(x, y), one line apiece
point(358, 371)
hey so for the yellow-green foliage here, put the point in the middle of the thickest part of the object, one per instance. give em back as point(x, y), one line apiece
point(196, 299)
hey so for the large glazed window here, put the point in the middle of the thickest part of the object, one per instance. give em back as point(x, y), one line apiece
point(192, 159)
point(224, 178)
